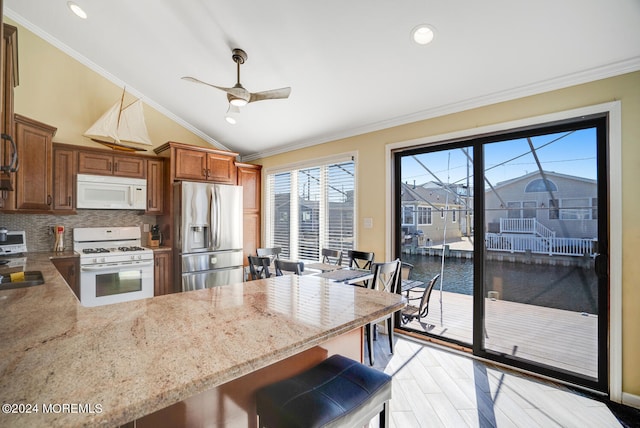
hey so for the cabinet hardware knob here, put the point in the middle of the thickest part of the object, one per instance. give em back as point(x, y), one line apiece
point(49, 200)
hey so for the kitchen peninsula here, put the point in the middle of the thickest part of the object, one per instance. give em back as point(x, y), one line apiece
point(113, 364)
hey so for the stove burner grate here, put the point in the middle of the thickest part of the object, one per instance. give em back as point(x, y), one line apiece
point(132, 248)
point(95, 250)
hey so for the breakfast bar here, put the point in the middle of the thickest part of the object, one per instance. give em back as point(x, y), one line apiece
point(166, 357)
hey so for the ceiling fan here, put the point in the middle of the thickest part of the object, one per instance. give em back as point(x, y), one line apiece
point(237, 95)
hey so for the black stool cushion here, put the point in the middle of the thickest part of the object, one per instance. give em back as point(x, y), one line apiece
point(337, 391)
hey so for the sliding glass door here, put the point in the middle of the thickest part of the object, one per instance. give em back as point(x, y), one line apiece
point(437, 236)
point(515, 225)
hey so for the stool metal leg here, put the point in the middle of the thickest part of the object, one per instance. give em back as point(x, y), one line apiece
point(390, 333)
point(369, 337)
point(384, 415)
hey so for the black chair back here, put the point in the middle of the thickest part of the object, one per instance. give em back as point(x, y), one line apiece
point(259, 267)
point(288, 266)
point(360, 259)
point(331, 257)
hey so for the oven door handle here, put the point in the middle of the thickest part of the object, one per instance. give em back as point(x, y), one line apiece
point(110, 267)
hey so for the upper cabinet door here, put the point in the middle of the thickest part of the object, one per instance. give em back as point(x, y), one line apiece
point(34, 189)
point(95, 163)
point(221, 168)
point(155, 187)
point(249, 178)
point(64, 172)
point(191, 164)
point(128, 166)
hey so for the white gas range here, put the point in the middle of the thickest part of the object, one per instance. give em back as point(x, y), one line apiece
point(114, 267)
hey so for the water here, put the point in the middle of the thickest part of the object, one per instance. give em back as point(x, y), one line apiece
point(572, 288)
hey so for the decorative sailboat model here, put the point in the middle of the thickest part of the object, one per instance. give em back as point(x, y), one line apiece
point(121, 124)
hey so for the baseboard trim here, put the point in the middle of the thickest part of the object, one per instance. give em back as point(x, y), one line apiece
point(631, 400)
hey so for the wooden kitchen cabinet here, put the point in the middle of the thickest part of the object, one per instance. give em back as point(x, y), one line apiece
point(163, 278)
point(95, 162)
point(8, 81)
point(69, 268)
point(34, 188)
point(204, 165)
point(155, 186)
point(3, 51)
point(249, 177)
point(64, 172)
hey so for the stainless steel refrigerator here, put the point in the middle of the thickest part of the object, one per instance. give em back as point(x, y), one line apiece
point(208, 241)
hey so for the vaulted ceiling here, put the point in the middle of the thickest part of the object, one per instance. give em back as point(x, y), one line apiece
point(351, 65)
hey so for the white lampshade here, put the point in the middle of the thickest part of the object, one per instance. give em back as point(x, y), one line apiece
point(233, 114)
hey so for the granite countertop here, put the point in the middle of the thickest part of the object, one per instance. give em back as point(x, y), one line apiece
point(112, 364)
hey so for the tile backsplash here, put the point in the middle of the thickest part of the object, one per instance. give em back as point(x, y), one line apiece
point(36, 226)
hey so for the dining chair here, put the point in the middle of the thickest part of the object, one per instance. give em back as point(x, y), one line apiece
point(406, 270)
point(272, 252)
point(420, 308)
point(331, 257)
point(360, 259)
point(386, 277)
point(288, 266)
point(259, 267)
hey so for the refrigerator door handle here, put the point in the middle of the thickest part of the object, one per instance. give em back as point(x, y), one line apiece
point(215, 218)
point(218, 219)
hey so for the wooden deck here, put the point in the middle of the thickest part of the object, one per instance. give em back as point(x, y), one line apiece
point(562, 339)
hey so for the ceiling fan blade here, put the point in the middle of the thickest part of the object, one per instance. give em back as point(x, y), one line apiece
point(235, 91)
point(272, 94)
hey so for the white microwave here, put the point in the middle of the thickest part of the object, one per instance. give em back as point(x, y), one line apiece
point(111, 193)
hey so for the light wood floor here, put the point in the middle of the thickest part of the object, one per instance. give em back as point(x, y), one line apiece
point(558, 338)
point(434, 387)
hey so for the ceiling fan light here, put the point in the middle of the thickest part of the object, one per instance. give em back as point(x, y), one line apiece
point(232, 115)
point(423, 34)
point(238, 102)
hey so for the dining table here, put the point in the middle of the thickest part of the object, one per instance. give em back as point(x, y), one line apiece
point(322, 267)
point(348, 275)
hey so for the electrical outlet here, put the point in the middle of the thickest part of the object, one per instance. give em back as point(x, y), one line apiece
point(145, 227)
point(51, 230)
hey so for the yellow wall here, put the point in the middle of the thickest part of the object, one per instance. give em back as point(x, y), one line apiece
point(57, 90)
point(371, 167)
point(60, 91)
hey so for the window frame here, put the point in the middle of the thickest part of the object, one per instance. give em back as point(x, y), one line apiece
point(427, 212)
point(293, 169)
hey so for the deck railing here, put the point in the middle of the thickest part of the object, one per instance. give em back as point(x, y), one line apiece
point(525, 225)
point(514, 243)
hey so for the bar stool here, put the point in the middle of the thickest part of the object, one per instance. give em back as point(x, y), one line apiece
point(338, 392)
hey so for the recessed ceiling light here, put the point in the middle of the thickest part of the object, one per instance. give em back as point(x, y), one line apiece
point(423, 34)
point(77, 10)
